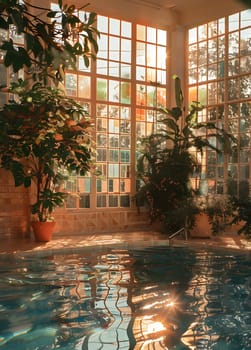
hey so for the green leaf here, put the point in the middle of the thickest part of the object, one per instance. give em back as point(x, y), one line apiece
point(27, 181)
point(17, 18)
point(52, 14)
point(3, 23)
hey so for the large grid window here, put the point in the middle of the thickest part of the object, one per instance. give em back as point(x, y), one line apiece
point(123, 89)
point(219, 76)
point(113, 113)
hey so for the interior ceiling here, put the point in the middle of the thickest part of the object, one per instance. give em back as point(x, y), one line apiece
point(191, 9)
point(182, 5)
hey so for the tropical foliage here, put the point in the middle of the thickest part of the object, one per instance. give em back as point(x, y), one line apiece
point(168, 160)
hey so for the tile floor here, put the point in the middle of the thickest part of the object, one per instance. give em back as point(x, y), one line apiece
point(120, 239)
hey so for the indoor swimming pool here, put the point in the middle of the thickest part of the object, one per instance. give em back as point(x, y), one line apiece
point(123, 299)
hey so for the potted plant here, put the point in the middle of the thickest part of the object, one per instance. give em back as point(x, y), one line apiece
point(167, 162)
point(44, 135)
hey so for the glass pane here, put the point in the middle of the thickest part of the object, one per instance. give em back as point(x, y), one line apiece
point(113, 140)
point(161, 37)
point(221, 26)
point(124, 141)
point(101, 201)
point(246, 18)
point(212, 71)
point(114, 69)
point(212, 50)
point(202, 94)
point(114, 26)
point(124, 156)
point(101, 110)
point(71, 202)
point(102, 46)
point(113, 112)
point(113, 91)
point(245, 64)
point(126, 29)
point(71, 84)
point(140, 73)
point(233, 22)
point(125, 201)
point(151, 55)
point(114, 48)
point(212, 93)
point(126, 93)
point(102, 23)
point(102, 67)
point(202, 32)
point(245, 41)
point(125, 171)
point(140, 53)
point(151, 35)
point(125, 71)
point(161, 97)
point(84, 201)
point(151, 96)
point(101, 155)
point(202, 54)
point(113, 201)
point(113, 155)
point(141, 32)
point(245, 86)
point(233, 67)
point(233, 44)
point(113, 170)
point(102, 89)
point(101, 140)
point(126, 50)
point(84, 87)
point(114, 128)
point(192, 35)
point(233, 89)
point(212, 29)
point(221, 48)
point(125, 126)
point(161, 57)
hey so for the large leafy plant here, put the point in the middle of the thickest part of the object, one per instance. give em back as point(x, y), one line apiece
point(167, 161)
point(42, 137)
point(54, 38)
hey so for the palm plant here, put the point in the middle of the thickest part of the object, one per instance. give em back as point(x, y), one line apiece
point(167, 162)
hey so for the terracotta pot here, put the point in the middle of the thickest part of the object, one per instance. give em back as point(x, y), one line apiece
point(43, 230)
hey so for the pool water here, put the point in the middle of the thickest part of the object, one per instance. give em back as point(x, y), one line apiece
point(111, 298)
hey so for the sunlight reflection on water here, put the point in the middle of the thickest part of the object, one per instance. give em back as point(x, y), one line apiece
point(150, 298)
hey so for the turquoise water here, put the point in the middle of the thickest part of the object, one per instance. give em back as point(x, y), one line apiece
point(151, 298)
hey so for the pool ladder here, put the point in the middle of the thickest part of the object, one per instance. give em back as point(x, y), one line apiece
point(183, 231)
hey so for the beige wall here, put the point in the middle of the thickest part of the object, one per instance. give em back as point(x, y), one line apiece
point(15, 215)
point(14, 208)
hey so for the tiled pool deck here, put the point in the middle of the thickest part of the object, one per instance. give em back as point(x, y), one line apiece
point(120, 239)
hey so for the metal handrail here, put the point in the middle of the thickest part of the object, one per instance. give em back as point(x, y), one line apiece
point(173, 235)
